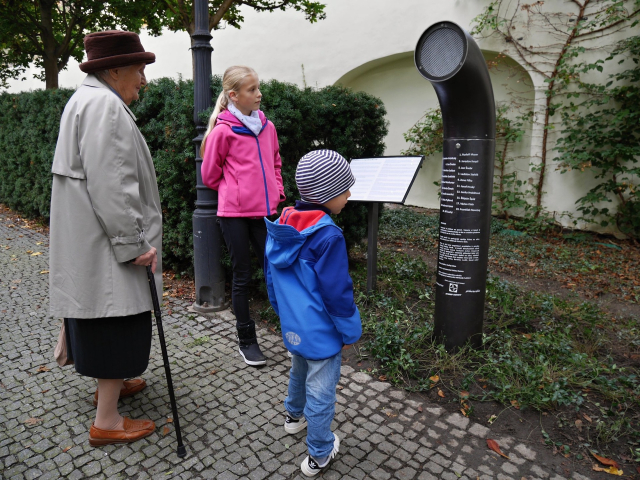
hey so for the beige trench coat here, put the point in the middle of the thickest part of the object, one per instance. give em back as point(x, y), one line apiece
point(105, 209)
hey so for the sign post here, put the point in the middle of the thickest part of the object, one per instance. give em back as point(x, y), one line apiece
point(381, 179)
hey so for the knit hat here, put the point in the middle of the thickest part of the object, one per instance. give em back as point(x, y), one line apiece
point(322, 175)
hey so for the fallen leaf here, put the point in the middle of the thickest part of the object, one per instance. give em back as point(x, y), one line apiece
point(38, 243)
point(36, 254)
point(611, 470)
point(492, 419)
point(165, 430)
point(527, 336)
point(165, 294)
point(44, 391)
point(440, 393)
point(515, 404)
point(464, 412)
point(29, 251)
point(420, 408)
point(17, 281)
point(382, 378)
point(32, 421)
point(493, 445)
point(434, 379)
point(391, 414)
point(339, 387)
point(464, 394)
point(44, 271)
point(43, 368)
point(66, 449)
point(579, 425)
point(587, 418)
point(169, 420)
point(213, 372)
point(605, 461)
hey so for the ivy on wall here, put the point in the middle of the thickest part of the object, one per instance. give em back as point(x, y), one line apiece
point(552, 44)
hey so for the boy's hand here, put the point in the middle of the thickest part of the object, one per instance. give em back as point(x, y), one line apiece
point(346, 346)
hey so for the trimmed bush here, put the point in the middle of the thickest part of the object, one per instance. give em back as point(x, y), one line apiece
point(352, 123)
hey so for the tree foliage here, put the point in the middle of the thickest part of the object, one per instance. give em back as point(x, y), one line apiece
point(47, 33)
point(178, 15)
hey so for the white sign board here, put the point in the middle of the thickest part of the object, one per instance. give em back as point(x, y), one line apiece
point(383, 179)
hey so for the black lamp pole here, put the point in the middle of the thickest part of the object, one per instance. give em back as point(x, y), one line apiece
point(450, 59)
point(207, 237)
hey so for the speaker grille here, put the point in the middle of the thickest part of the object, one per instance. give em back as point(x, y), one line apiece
point(442, 52)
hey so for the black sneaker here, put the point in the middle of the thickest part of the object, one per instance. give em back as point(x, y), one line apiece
point(252, 355)
point(311, 467)
point(294, 425)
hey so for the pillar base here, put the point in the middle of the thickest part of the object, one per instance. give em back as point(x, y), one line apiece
point(206, 308)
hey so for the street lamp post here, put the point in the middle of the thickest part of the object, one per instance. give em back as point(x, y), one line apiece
point(207, 238)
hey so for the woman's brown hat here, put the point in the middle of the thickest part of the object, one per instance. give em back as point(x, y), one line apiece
point(113, 49)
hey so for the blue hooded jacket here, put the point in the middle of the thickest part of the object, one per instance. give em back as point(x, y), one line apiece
point(306, 269)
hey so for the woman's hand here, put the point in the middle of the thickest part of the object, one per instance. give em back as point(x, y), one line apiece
point(149, 258)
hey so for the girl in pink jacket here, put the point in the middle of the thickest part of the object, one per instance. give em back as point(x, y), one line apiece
point(241, 160)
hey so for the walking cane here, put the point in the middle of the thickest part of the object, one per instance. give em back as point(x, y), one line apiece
point(182, 451)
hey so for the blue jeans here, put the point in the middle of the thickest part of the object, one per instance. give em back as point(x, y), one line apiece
point(312, 393)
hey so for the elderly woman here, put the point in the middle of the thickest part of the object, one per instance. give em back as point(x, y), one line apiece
point(106, 227)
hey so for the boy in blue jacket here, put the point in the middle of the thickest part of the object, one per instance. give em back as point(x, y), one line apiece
point(310, 289)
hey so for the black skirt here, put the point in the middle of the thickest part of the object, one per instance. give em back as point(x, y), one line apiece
point(114, 347)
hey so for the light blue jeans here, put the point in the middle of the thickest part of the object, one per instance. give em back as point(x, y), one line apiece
point(312, 393)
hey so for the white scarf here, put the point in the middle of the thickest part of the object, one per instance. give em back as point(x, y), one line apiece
point(252, 122)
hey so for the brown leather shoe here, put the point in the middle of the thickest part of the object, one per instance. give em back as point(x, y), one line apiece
point(129, 387)
point(133, 430)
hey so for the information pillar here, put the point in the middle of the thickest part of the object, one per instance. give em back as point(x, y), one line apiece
point(463, 250)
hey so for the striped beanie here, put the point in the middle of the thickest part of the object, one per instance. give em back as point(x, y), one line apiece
point(322, 175)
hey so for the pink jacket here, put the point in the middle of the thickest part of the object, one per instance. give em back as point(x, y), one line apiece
point(243, 168)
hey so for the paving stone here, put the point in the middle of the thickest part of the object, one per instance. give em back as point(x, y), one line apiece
point(231, 420)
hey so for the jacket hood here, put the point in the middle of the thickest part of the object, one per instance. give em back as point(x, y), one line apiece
point(229, 118)
point(284, 241)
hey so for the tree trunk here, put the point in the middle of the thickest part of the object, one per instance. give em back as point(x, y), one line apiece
point(51, 72)
point(49, 56)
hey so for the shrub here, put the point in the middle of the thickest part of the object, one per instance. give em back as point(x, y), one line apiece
point(29, 124)
point(352, 123)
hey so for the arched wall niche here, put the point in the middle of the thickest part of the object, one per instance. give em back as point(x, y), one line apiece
point(407, 95)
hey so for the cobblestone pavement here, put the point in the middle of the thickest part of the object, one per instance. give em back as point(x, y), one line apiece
point(231, 414)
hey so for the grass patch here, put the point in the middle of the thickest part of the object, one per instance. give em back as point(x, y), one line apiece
point(540, 351)
point(197, 342)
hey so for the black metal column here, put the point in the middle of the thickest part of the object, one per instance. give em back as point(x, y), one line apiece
point(450, 59)
point(207, 237)
point(372, 245)
point(463, 248)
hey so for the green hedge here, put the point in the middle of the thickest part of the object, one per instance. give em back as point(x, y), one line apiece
point(351, 123)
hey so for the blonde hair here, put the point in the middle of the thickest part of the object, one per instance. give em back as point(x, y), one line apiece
point(231, 82)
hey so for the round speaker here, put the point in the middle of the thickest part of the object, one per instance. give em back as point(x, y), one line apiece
point(441, 51)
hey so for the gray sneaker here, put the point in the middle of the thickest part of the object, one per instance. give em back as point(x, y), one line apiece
point(294, 425)
point(311, 467)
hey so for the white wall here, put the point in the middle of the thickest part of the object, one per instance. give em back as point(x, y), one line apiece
point(367, 45)
point(277, 44)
